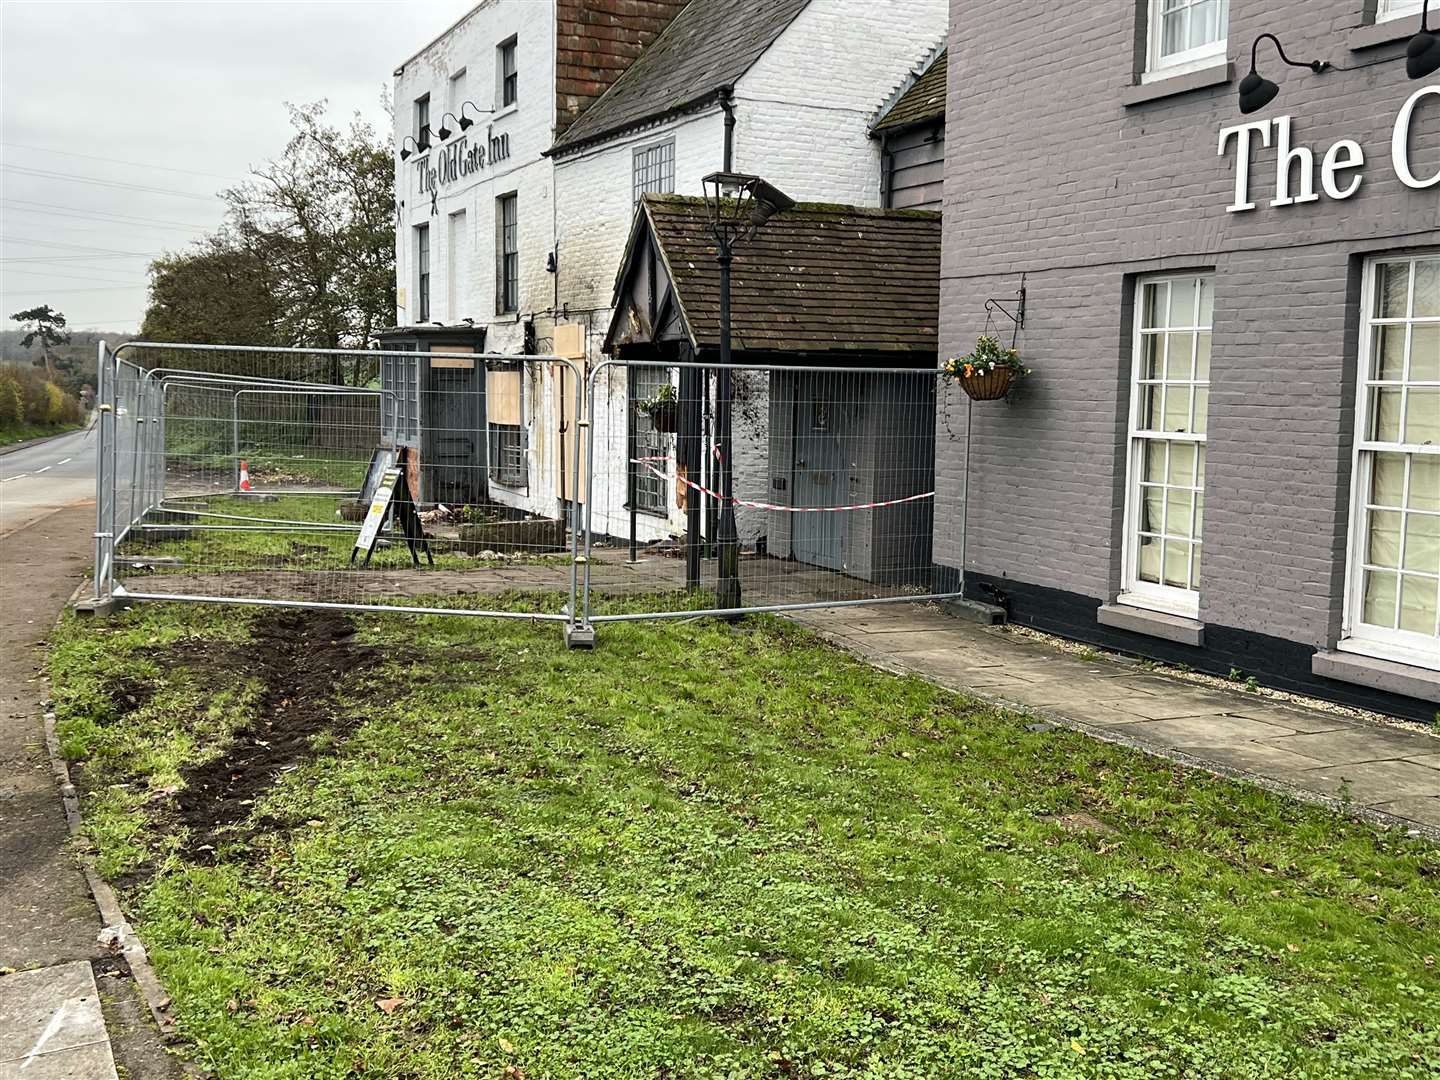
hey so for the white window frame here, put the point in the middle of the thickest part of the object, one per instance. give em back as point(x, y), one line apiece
point(509, 47)
point(652, 493)
point(1401, 646)
point(424, 275)
point(458, 88)
point(1135, 592)
point(503, 255)
point(1187, 60)
point(1386, 10)
point(642, 158)
point(423, 130)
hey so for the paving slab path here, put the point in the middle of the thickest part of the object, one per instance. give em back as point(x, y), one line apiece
point(1390, 773)
point(53, 1022)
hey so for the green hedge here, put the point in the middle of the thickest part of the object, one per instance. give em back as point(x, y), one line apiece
point(28, 399)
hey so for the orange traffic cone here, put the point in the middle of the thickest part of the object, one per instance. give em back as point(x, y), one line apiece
point(245, 476)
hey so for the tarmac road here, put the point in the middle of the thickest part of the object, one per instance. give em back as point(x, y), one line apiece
point(39, 479)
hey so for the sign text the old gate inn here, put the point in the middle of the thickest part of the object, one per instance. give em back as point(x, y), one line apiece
point(1341, 166)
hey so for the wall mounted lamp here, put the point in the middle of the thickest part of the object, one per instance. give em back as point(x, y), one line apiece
point(443, 131)
point(1256, 91)
point(405, 153)
point(1422, 55)
point(465, 121)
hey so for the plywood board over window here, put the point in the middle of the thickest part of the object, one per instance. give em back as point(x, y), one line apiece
point(503, 394)
point(452, 361)
point(569, 343)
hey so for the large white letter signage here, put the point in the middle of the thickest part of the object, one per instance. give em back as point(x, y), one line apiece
point(1400, 141)
point(1242, 133)
point(1295, 165)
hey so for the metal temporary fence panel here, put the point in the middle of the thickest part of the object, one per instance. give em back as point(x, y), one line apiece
point(235, 474)
point(830, 501)
point(240, 474)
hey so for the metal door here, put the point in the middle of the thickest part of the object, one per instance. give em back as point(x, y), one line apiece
point(456, 463)
point(821, 411)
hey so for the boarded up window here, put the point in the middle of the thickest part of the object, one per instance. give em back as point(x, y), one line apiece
point(503, 392)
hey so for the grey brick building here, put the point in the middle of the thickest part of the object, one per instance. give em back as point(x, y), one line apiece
point(1228, 454)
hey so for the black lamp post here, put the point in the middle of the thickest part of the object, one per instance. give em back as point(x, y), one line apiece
point(1255, 91)
point(738, 205)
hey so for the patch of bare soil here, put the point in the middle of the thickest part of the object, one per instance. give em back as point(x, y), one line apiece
point(302, 657)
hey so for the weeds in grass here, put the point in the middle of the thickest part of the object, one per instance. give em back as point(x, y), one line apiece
point(720, 850)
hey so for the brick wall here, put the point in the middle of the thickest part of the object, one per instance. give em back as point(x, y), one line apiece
point(803, 111)
point(595, 41)
point(1048, 174)
point(802, 121)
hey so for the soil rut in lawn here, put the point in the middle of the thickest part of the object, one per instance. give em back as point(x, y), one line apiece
point(302, 657)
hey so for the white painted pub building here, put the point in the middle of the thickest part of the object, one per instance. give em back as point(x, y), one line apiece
point(524, 136)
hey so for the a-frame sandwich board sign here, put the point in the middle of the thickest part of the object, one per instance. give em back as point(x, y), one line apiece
point(392, 498)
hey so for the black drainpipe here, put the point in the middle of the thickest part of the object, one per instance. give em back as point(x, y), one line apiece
point(727, 103)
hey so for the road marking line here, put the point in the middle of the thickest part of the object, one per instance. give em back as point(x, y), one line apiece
point(65, 461)
point(17, 476)
point(47, 468)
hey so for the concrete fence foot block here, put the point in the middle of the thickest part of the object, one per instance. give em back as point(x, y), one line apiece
point(101, 607)
point(579, 636)
point(975, 611)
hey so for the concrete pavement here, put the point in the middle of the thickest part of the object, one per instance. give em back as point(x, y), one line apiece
point(53, 1024)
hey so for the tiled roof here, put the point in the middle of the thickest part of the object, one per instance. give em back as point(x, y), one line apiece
point(708, 45)
point(816, 278)
point(925, 100)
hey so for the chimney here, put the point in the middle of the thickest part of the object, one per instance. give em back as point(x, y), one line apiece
point(595, 42)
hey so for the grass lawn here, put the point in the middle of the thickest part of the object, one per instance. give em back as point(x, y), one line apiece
point(705, 850)
point(329, 549)
point(14, 433)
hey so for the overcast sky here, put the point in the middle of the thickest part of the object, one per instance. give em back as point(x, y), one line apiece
point(179, 99)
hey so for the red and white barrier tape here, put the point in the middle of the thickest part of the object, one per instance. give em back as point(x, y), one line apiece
point(649, 463)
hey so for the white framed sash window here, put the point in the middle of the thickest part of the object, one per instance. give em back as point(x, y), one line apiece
point(1392, 596)
point(1185, 35)
point(1165, 467)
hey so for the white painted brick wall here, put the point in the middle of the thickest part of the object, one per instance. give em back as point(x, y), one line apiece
point(802, 122)
point(803, 111)
point(472, 45)
point(802, 115)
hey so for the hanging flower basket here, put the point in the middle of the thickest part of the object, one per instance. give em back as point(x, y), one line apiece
point(663, 410)
point(987, 373)
point(665, 417)
point(991, 386)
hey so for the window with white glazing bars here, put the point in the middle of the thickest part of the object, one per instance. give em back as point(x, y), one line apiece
point(1169, 407)
point(1398, 9)
point(652, 492)
point(653, 169)
point(1393, 590)
point(508, 74)
point(422, 273)
point(1184, 34)
point(507, 255)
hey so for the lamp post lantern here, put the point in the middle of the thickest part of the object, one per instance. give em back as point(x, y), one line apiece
point(738, 205)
